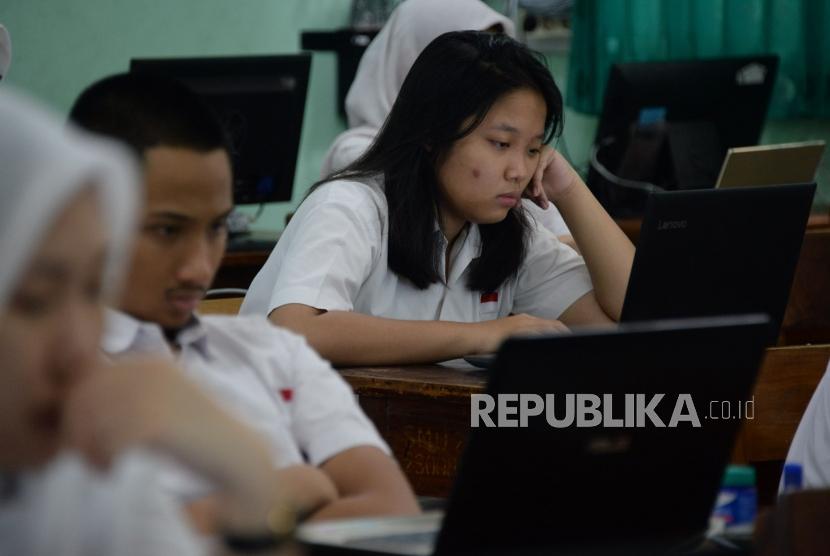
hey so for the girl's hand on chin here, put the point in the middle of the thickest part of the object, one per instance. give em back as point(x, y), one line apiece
point(554, 178)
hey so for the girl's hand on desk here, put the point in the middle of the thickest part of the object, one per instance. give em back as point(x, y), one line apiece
point(498, 330)
point(553, 177)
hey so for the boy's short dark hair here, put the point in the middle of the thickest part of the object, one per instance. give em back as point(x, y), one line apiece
point(145, 110)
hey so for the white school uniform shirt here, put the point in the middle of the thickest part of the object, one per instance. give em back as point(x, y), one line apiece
point(268, 378)
point(811, 444)
point(69, 509)
point(333, 256)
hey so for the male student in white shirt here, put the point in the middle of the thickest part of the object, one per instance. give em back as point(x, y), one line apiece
point(332, 459)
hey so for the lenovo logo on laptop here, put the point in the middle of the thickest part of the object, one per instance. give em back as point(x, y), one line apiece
point(672, 225)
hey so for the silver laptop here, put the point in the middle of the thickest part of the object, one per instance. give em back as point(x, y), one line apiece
point(771, 164)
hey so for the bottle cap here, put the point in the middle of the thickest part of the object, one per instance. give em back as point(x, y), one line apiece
point(739, 476)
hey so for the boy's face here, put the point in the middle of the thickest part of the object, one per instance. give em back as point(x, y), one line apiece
point(183, 233)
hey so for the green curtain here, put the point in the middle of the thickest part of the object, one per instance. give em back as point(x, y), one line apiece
point(610, 31)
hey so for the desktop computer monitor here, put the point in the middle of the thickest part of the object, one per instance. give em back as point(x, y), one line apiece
point(668, 125)
point(260, 100)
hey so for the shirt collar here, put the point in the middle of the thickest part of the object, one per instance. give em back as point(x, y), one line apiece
point(124, 333)
point(469, 249)
point(466, 248)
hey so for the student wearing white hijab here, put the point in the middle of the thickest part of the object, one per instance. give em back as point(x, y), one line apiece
point(5, 52)
point(411, 27)
point(74, 480)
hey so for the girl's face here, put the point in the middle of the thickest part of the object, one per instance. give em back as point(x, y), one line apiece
point(49, 332)
point(483, 175)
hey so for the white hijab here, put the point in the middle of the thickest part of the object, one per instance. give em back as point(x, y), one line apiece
point(5, 51)
point(43, 165)
point(65, 508)
point(411, 27)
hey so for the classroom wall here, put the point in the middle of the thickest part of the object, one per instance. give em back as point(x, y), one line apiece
point(60, 46)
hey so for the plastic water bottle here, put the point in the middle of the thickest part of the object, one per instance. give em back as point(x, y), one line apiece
point(737, 502)
point(793, 477)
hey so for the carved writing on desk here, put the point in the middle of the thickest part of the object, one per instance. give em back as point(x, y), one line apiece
point(426, 452)
point(423, 413)
point(427, 436)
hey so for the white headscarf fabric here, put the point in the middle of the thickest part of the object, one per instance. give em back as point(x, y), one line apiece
point(67, 508)
point(5, 51)
point(43, 165)
point(411, 27)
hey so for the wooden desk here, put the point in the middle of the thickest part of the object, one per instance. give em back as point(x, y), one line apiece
point(239, 268)
point(423, 412)
point(807, 318)
point(221, 306)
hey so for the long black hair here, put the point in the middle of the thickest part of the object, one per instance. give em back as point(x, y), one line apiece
point(445, 96)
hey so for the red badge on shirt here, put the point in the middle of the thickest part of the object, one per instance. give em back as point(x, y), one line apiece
point(287, 394)
point(490, 297)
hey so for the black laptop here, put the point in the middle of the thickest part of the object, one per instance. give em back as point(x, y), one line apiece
point(623, 484)
point(718, 251)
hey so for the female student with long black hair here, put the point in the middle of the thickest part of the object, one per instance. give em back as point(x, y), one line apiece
point(420, 250)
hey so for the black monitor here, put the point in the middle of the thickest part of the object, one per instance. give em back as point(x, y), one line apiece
point(260, 101)
point(668, 125)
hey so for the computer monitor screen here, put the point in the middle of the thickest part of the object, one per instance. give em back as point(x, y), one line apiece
point(260, 101)
point(669, 125)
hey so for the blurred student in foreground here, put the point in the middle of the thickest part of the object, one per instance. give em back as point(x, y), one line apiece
point(82, 438)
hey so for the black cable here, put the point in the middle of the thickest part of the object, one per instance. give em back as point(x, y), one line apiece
point(637, 185)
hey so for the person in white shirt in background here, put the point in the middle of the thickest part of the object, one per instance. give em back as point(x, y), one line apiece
point(421, 251)
point(811, 444)
point(81, 437)
point(384, 65)
point(5, 52)
point(324, 449)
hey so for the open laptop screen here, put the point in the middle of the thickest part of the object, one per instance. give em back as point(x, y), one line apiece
point(718, 251)
point(610, 475)
point(771, 164)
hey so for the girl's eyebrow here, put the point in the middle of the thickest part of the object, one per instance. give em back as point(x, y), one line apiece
point(510, 129)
